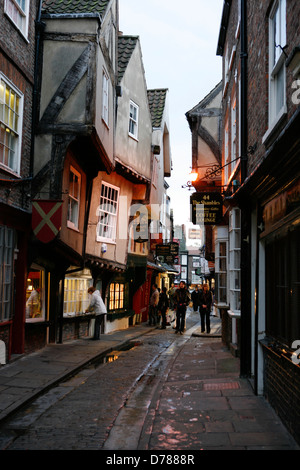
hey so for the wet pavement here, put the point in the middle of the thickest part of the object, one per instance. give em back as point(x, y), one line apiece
point(195, 399)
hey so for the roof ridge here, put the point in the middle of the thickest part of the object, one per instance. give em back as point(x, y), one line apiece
point(157, 104)
point(60, 7)
point(125, 50)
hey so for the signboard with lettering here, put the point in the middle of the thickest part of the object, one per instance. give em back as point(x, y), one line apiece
point(207, 208)
point(162, 250)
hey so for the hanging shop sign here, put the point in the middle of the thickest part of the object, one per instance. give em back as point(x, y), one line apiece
point(207, 208)
point(174, 248)
point(168, 251)
point(46, 219)
point(162, 250)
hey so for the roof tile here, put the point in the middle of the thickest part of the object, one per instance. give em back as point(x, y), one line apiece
point(157, 99)
point(126, 46)
point(74, 6)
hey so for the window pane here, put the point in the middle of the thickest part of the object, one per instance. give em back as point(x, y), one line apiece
point(108, 211)
point(280, 90)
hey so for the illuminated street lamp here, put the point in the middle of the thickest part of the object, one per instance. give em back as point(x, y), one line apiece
point(193, 176)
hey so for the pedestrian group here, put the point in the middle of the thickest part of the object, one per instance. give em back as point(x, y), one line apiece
point(178, 300)
point(161, 302)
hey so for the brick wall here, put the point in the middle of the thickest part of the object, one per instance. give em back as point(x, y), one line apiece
point(282, 385)
point(258, 76)
point(17, 64)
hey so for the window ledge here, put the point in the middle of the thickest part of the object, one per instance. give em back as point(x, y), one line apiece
point(108, 241)
point(133, 137)
point(234, 313)
point(9, 171)
point(274, 126)
point(72, 226)
point(221, 305)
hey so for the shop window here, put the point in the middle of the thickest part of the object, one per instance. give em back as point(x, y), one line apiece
point(108, 213)
point(6, 272)
point(35, 294)
point(116, 296)
point(283, 287)
point(10, 126)
point(76, 297)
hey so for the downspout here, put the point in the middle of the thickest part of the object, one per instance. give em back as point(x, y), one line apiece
point(39, 28)
point(245, 360)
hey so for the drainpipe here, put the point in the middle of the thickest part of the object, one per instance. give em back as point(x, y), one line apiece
point(245, 347)
point(39, 28)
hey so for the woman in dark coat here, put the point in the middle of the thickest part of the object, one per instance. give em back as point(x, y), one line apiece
point(205, 307)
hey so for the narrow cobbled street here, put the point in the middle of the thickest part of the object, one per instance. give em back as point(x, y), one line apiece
point(167, 392)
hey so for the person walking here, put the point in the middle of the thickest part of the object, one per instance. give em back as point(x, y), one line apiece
point(153, 306)
point(96, 306)
point(182, 300)
point(195, 299)
point(205, 306)
point(163, 306)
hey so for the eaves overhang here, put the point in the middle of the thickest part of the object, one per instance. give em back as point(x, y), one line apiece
point(223, 26)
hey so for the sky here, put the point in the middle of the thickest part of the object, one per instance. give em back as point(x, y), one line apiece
point(179, 42)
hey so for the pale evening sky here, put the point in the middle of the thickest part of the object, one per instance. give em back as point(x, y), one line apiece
point(179, 42)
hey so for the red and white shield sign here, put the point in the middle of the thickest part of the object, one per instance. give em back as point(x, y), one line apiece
point(46, 219)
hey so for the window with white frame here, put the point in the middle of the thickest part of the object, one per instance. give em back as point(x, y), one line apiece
point(234, 262)
point(221, 271)
point(277, 41)
point(7, 237)
point(108, 213)
point(18, 11)
point(11, 104)
point(74, 198)
point(133, 119)
point(105, 82)
point(226, 152)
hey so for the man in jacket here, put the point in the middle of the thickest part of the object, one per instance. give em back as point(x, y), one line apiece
point(96, 306)
point(182, 300)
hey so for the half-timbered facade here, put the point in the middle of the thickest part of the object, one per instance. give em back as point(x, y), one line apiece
point(74, 142)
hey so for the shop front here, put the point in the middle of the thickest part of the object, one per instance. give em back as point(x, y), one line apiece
point(13, 265)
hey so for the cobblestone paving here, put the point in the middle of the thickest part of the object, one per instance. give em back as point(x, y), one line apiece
point(78, 414)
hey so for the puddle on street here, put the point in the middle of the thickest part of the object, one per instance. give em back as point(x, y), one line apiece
point(115, 354)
